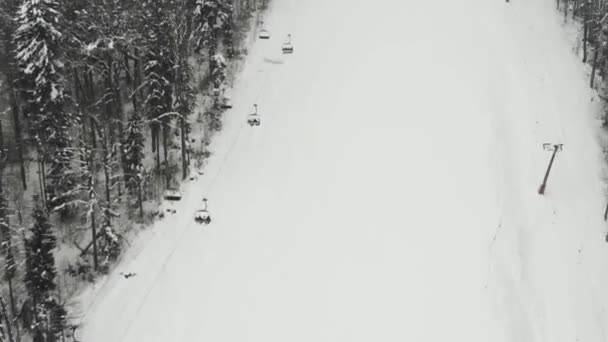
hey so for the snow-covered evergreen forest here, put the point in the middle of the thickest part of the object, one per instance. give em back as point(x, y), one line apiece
point(104, 104)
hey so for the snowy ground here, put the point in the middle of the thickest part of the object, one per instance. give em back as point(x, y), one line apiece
point(390, 192)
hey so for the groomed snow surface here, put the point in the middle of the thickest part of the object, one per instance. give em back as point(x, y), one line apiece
point(390, 193)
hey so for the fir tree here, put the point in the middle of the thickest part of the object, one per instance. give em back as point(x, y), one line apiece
point(185, 100)
point(40, 273)
point(110, 246)
point(218, 73)
point(57, 315)
point(38, 46)
point(158, 70)
point(133, 151)
point(40, 270)
point(210, 17)
point(228, 31)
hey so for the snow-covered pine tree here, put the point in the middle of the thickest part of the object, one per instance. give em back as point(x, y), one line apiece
point(38, 53)
point(210, 17)
point(8, 67)
point(218, 70)
point(10, 270)
point(57, 318)
point(109, 246)
point(184, 96)
point(10, 266)
point(133, 151)
point(218, 76)
point(40, 271)
point(228, 30)
point(40, 274)
point(184, 105)
point(86, 168)
point(5, 322)
point(158, 70)
point(214, 117)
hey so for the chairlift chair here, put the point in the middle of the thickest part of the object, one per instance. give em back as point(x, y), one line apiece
point(254, 118)
point(172, 195)
point(226, 103)
point(264, 34)
point(287, 47)
point(202, 216)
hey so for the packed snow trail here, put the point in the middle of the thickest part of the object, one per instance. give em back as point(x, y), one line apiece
point(390, 191)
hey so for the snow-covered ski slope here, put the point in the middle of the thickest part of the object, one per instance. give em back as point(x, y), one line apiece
point(390, 191)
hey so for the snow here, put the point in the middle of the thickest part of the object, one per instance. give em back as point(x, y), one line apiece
point(391, 193)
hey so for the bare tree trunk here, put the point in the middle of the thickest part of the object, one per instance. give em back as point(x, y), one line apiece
point(94, 241)
point(40, 177)
point(13, 308)
point(106, 171)
point(117, 152)
point(135, 84)
point(141, 201)
point(91, 194)
point(183, 136)
point(165, 133)
point(42, 174)
point(7, 318)
point(155, 139)
point(585, 37)
point(14, 104)
point(594, 66)
point(17, 127)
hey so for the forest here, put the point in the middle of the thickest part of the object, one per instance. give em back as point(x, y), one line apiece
point(104, 104)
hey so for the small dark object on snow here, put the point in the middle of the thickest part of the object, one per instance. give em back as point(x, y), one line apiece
point(128, 275)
